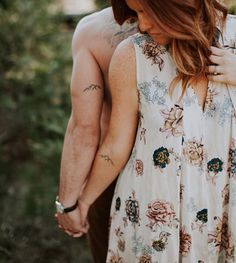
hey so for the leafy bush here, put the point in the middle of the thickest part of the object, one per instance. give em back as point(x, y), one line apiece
point(35, 69)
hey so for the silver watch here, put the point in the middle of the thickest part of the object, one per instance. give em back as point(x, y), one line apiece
point(61, 209)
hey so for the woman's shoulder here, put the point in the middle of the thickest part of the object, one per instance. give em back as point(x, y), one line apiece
point(124, 54)
point(123, 64)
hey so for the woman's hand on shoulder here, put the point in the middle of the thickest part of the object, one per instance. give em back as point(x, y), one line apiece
point(223, 68)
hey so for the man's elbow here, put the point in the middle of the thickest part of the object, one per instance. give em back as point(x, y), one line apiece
point(86, 134)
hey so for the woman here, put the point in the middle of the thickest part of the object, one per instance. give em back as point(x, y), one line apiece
point(175, 197)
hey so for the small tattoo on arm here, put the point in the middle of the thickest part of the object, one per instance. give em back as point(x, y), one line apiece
point(107, 159)
point(92, 87)
point(114, 33)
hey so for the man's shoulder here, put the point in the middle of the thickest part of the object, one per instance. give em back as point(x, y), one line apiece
point(94, 22)
point(90, 27)
point(100, 33)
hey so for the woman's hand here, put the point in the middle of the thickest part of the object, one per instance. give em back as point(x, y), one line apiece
point(84, 225)
point(74, 223)
point(224, 68)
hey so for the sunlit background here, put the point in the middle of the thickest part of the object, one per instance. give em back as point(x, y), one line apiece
point(78, 7)
point(35, 69)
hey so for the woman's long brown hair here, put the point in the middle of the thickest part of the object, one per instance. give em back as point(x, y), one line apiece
point(191, 24)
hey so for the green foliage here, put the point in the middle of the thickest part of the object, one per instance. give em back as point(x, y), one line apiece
point(102, 3)
point(34, 82)
point(35, 69)
point(231, 6)
point(232, 9)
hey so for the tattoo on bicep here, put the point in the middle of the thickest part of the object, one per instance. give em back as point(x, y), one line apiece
point(122, 34)
point(115, 33)
point(107, 159)
point(92, 87)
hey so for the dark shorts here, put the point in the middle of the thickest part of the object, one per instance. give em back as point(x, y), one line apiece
point(99, 217)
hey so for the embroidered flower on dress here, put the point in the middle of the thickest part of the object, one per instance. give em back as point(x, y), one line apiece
point(225, 195)
point(160, 244)
point(145, 258)
point(143, 135)
point(153, 91)
point(202, 215)
point(185, 242)
point(132, 209)
point(154, 51)
point(215, 165)
point(173, 121)
point(193, 152)
point(161, 157)
point(222, 237)
point(161, 213)
point(200, 221)
point(118, 203)
point(209, 102)
point(232, 162)
point(139, 167)
point(121, 240)
point(114, 257)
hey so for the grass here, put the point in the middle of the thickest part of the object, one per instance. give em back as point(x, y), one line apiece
point(28, 231)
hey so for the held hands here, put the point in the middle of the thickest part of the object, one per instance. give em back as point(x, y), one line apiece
point(74, 223)
point(224, 66)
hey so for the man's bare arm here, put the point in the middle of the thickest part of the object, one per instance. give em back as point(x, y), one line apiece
point(83, 131)
point(116, 148)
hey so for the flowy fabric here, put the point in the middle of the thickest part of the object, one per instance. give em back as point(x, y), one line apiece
point(175, 200)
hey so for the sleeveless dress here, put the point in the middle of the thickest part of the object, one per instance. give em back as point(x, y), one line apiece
point(175, 200)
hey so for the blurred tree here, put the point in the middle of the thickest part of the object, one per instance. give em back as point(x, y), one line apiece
point(34, 79)
point(102, 3)
point(35, 69)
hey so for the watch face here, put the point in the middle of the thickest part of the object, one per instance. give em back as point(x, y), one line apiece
point(59, 207)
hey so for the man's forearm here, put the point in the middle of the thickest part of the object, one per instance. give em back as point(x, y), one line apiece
point(79, 149)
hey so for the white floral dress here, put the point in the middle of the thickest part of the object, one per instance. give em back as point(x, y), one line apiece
point(175, 200)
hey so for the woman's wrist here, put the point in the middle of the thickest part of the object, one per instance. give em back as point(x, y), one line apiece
point(85, 201)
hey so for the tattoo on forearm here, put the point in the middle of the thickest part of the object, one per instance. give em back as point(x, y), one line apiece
point(92, 87)
point(107, 159)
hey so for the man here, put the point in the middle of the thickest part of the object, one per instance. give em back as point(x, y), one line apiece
point(93, 44)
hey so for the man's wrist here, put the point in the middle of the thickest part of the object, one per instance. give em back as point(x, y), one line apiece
point(67, 202)
point(62, 208)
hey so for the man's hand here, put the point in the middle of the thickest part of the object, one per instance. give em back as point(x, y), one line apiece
point(71, 223)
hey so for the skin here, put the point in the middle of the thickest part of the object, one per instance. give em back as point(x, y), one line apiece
point(93, 44)
point(225, 66)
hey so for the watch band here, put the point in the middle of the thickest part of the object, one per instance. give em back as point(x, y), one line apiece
point(61, 209)
point(71, 208)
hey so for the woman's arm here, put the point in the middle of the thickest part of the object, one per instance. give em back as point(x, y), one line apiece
point(224, 69)
point(116, 148)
